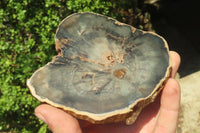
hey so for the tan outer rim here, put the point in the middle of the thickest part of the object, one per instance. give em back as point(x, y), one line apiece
point(129, 114)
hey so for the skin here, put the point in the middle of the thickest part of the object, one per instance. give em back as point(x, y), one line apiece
point(159, 116)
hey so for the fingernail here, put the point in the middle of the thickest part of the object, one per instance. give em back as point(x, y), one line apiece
point(41, 117)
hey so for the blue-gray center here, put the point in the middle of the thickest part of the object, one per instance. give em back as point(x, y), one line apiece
point(102, 66)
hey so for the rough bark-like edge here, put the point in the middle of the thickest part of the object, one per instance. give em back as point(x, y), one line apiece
point(128, 114)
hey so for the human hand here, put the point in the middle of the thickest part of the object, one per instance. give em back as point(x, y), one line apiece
point(159, 116)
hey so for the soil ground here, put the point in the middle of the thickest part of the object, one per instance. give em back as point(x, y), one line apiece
point(178, 22)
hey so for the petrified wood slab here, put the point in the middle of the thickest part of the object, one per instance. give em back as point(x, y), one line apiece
point(105, 71)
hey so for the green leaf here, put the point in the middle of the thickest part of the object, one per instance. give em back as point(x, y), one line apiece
point(43, 128)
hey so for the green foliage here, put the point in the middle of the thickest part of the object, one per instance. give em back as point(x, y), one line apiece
point(104, 7)
point(27, 29)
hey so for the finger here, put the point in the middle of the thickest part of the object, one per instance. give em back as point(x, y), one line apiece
point(57, 120)
point(175, 57)
point(169, 108)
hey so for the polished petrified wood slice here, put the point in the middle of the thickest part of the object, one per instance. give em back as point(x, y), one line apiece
point(105, 71)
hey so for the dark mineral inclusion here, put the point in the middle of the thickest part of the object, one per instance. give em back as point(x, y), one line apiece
point(102, 65)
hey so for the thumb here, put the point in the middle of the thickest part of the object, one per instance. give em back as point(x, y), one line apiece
point(57, 120)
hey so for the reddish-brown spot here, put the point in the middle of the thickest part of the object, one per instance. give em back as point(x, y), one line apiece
point(120, 73)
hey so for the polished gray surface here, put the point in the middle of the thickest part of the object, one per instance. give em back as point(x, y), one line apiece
point(102, 65)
